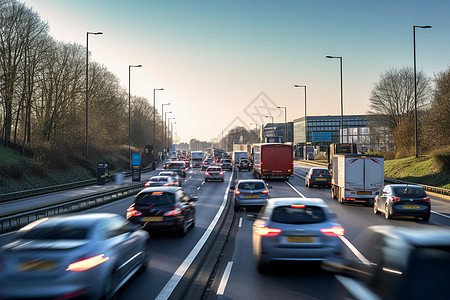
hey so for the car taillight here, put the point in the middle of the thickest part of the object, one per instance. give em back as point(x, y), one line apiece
point(206, 173)
point(265, 191)
point(133, 212)
point(298, 206)
point(147, 184)
point(87, 263)
point(204, 163)
point(166, 184)
point(174, 212)
point(221, 164)
point(333, 231)
point(267, 231)
point(221, 173)
point(184, 170)
point(426, 199)
point(237, 192)
point(394, 199)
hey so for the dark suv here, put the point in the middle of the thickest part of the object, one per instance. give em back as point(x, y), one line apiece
point(244, 164)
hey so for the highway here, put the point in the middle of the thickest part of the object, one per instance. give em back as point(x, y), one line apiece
point(237, 277)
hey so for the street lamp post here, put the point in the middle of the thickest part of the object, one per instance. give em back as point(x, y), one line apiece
point(285, 124)
point(87, 89)
point(342, 99)
point(162, 129)
point(256, 129)
point(304, 86)
point(168, 134)
point(273, 127)
point(154, 124)
point(416, 151)
point(129, 110)
point(164, 132)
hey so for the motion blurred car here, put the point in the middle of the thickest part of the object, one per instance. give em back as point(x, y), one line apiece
point(178, 167)
point(86, 256)
point(251, 193)
point(176, 179)
point(396, 263)
point(318, 176)
point(163, 209)
point(295, 229)
point(160, 181)
point(244, 164)
point(207, 163)
point(403, 200)
point(214, 173)
point(226, 164)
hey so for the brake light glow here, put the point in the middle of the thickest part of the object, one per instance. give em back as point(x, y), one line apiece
point(166, 184)
point(88, 263)
point(237, 192)
point(394, 199)
point(298, 205)
point(221, 173)
point(147, 184)
point(157, 193)
point(267, 231)
point(333, 231)
point(174, 212)
point(206, 173)
point(265, 191)
point(426, 199)
point(133, 212)
point(221, 164)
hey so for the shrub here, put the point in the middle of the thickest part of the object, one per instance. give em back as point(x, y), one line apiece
point(442, 158)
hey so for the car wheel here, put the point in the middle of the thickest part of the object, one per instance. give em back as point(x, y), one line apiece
point(110, 286)
point(426, 218)
point(387, 212)
point(184, 228)
point(261, 267)
point(375, 209)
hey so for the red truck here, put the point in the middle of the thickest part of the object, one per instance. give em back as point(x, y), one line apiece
point(273, 160)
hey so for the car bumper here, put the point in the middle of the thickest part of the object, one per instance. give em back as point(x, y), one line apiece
point(244, 202)
point(168, 223)
point(212, 177)
point(399, 211)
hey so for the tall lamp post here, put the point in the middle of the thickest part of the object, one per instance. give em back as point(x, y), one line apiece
point(165, 122)
point(256, 129)
point(129, 110)
point(87, 88)
point(154, 124)
point(416, 151)
point(273, 127)
point(169, 132)
point(342, 99)
point(162, 129)
point(285, 124)
point(304, 86)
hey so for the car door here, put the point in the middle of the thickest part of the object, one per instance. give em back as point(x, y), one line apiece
point(186, 205)
point(383, 197)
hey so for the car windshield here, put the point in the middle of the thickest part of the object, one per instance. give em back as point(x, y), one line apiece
point(60, 232)
point(298, 215)
point(156, 198)
point(251, 186)
point(320, 172)
point(409, 191)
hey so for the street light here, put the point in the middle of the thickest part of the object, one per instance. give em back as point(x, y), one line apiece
point(154, 124)
point(87, 89)
point(165, 119)
point(285, 124)
point(342, 99)
point(129, 110)
point(162, 128)
point(256, 129)
point(415, 90)
point(273, 127)
point(168, 132)
point(299, 86)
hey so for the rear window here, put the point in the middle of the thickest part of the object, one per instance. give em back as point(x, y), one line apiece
point(321, 172)
point(409, 191)
point(226, 160)
point(213, 169)
point(158, 179)
point(156, 198)
point(251, 186)
point(298, 215)
point(60, 232)
point(176, 166)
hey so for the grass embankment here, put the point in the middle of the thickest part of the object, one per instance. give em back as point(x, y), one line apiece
point(424, 170)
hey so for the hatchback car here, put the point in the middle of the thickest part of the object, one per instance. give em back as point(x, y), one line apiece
point(251, 193)
point(177, 166)
point(163, 209)
point(403, 200)
point(176, 179)
point(245, 164)
point(160, 181)
point(318, 176)
point(207, 163)
point(295, 229)
point(214, 173)
point(85, 256)
point(226, 164)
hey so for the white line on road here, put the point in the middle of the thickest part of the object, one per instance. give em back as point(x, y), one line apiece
point(224, 281)
point(287, 182)
point(440, 214)
point(240, 222)
point(179, 273)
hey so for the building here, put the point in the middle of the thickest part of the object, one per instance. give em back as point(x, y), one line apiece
point(274, 130)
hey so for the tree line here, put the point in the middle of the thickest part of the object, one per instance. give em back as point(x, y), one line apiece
point(43, 90)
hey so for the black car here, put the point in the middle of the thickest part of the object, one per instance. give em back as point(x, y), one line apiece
point(244, 164)
point(226, 163)
point(395, 263)
point(403, 200)
point(163, 209)
point(318, 176)
point(178, 167)
point(207, 163)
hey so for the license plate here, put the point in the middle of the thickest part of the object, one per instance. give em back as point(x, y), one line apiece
point(321, 179)
point(251, 196)
point(152, 219)
point(37, 265)
point(364, 193)
point(300, 239)
point(411, 206)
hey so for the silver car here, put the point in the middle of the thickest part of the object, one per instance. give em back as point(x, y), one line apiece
point(295, 229)
point(214, 173)
point(175, 177)
point(250, 193)
point(160, 181)
point(81, 256)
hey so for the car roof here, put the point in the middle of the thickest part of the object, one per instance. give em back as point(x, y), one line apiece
point(167, 189)
point(429, 236)
point(318, 168)
point(296, 200)
point(404, 185)
point(83, 220)
point(251, 180)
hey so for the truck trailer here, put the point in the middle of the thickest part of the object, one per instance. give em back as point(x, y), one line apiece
point(238, 155)
point(273, 160)
point(357, 177)
point(196, 158)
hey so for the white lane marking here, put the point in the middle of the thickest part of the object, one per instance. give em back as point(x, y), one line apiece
point(287, 182)
point(224, 281)
point(356, 289)
point(440, 214)
point(300, 175)
point(240, 222)
point(179, 273)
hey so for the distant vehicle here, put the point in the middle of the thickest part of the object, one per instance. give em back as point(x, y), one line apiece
point(196, 158)
point(273, 161)
point(245, 164)
point(177, 166)
point(226, 164)
point(174, 159)
point(207, 163)
point(163, 209)
point(175, 177)
point(310, 156)
point(252, 193)
point(400, 263)
point(403, 200)
point(357, 177)
point(295, 229)
point(318, 176)
point(160, 181)
point(85, 255)
point(339, 148)
point(238, 155)
point(214, 173)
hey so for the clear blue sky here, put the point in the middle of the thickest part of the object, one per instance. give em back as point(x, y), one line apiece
point(214, 58)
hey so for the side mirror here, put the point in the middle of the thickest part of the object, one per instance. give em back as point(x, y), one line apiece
point(306, 173)
point(195, 199)
point(232, 187)
point(269, 186)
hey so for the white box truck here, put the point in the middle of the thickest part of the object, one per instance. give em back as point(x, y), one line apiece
point(357, 177)
point(196, 158)
point(237, 155)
